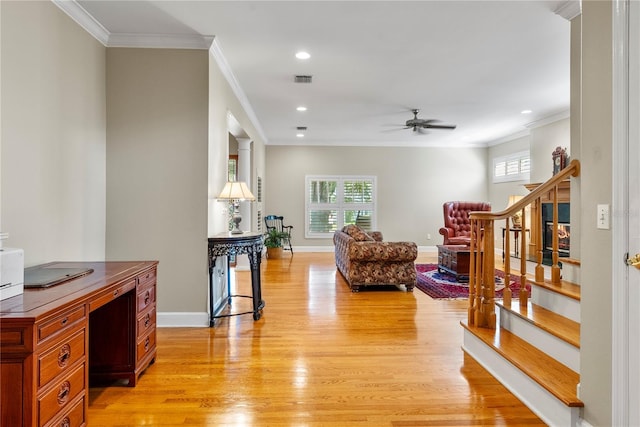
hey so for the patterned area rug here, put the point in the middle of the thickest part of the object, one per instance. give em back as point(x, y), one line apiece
point(444, 286)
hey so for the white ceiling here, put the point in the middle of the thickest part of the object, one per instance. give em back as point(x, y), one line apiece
point(476, 64)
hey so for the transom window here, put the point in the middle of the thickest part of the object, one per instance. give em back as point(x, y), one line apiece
point(514, 167)
point(335, 201)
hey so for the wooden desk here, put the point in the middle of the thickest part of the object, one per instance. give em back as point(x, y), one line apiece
point(229, 244)
point(54, 341)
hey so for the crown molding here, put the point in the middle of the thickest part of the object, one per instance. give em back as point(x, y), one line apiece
point(549, 119)
point(216, 52)
point(84, 19)
point(509, 138)
point(160, 41)
point(569, 9)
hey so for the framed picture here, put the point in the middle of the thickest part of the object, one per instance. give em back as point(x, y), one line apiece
point(559, 157)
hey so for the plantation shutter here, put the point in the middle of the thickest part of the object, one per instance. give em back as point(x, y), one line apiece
point(332, 202)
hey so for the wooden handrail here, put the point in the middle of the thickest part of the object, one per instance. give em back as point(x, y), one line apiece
point(482, 249)
point(573, 169)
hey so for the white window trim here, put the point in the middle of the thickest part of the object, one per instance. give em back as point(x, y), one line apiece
point(339, 205)
point(520, 176)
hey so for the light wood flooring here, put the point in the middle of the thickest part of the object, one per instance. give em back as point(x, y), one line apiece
point(320, 356)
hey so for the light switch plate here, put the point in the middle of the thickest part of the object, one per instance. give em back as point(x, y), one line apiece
point(603, 220)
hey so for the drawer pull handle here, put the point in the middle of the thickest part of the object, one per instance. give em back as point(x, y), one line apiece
point(63, 393)
point(115, 293)
point(147, 297)
point(66, 422)
point(64, 355)
point(146, 344)
point(64, 321)
point(147, 320)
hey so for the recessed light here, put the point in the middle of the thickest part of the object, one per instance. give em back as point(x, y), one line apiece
point(303, 55)
point(300, 135)
point(301, 108)
point(526, 112)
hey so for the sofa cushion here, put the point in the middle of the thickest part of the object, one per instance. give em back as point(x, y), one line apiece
point(357, 233)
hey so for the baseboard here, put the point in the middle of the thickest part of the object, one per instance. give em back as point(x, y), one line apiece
point(312, 249)
point(331, 249)
point(182, 320)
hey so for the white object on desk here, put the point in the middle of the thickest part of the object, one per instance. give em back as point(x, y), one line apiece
point(11, 272)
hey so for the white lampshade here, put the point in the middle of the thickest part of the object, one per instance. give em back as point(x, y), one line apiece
point(236, 190)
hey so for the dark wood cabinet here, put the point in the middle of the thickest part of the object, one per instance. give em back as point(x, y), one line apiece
point(454, 260)
point(55, 341)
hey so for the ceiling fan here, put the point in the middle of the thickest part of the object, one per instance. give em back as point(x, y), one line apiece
point(419, 124)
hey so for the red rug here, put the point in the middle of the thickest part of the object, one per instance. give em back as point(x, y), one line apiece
point(445, 286)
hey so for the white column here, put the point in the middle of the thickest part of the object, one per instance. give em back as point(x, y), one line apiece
point(244, 174)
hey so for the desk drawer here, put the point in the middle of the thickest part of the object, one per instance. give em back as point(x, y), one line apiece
point(146, 321)
point(61, 394)
point(146, 345)
point(61, 323)
point(60, 357)
point(112, 294)
point(74, 417)
point(146, 298)
point(146, 278)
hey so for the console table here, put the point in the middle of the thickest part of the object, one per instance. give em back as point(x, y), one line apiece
point(98, 327)
point(516, 236)
point(225, 244)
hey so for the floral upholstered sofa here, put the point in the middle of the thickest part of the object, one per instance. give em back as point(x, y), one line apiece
point(364, 259)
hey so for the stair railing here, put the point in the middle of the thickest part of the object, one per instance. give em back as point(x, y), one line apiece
point(482, 251)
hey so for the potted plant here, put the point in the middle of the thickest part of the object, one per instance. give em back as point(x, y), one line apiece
point(273, 243)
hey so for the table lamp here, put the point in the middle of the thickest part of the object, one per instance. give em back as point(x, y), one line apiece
point(235, 192)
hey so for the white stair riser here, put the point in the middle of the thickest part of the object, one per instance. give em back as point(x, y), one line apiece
point(564, 306)
point(552, 411)
point(560, 350)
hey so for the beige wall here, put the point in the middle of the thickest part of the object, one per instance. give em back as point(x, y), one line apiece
point(596, 245)
point(157, 144)
point(412, 185)
point(222, 102)
point(499, 192)
point(544, 140)
point(53, 135)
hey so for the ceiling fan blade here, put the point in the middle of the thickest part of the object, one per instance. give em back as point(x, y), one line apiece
point(394, 130)
point(432, 126)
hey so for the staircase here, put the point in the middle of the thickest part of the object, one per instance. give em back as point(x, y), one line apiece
point(532, 345)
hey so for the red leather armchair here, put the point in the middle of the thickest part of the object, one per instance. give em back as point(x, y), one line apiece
point(457, 227)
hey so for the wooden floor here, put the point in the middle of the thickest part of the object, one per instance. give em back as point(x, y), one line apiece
point(320, 356)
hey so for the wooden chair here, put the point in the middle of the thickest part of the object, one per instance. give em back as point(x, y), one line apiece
point(275, 222)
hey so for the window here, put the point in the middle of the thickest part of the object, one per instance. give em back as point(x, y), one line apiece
point(335, 201)
point(514, 167)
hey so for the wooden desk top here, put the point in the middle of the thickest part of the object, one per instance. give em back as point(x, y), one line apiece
point(35, 303)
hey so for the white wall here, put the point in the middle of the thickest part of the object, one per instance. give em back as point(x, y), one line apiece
point(413, 183)
point(53, 135)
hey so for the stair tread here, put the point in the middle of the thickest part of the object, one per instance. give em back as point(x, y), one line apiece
point(550, 374)
point(553, 323)
point(565, 288)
